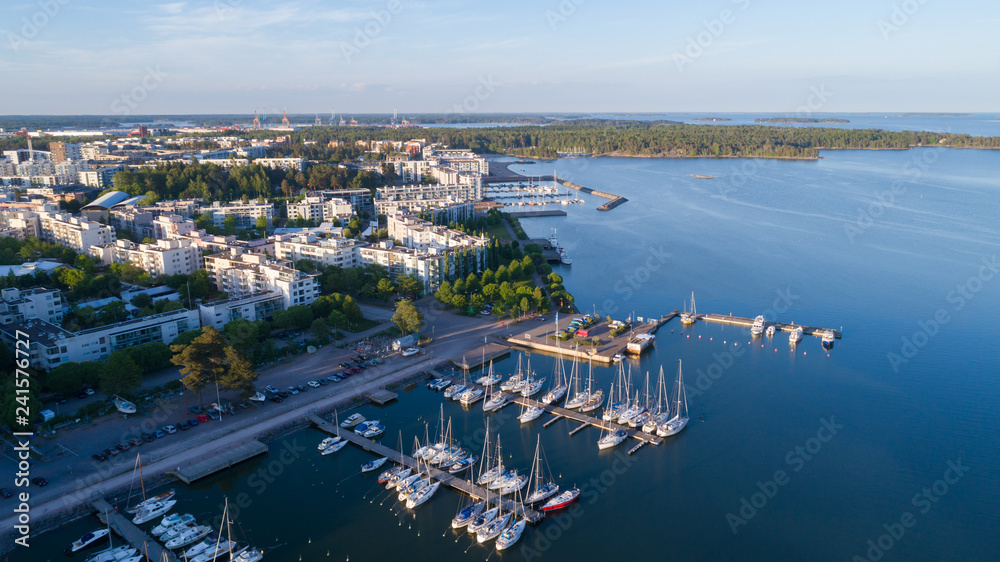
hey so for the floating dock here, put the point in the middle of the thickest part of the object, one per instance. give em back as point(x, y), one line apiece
point(221, 461)
point(448, 479)
point(382, 396)
point(123, 527)
point(780, 326)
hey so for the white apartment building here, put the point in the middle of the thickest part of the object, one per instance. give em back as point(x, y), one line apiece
point(182, 207)
point(241, 274)
point(165, 257)
point(75, 233)
point(428, 266)
point(140, 223)
point(246, 214)
point(418, 234)
point(388, 199)
point(51, 345)
point(341, 252)
point(320, 209)
point(360, 199)
point(20, 305)
point(171, 226)
point(298, 164)
point(256, 306)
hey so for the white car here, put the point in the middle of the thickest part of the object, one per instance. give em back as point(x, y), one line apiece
point(410, 351)
point(313, 384)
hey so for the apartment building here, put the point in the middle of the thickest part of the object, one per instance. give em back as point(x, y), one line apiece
point(342, 252)
point(246, 214)
point(255, 306)
point(171, 226)
point(241, 274)
point(428, 266)
point(320, 209)
point(389, 199)
point(298, 164)
point(72, 232)
point(164, 257)
point(18, 305)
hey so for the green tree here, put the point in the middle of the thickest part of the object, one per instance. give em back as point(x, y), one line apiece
point(488, 277)
point(120, 374)
point(477, 301)
point(229, 225)
point(239, 374)
point(516, 271)
point(503, 274)
point(407, 318)
point(202, 362)
point(66, 378)
point(262, 222)
point(70, 277)
point(384, 289)
point(444, 293)
point(472, 283)
point(460, 302)
point(112, 312)
point(320, 331)
point(525, 305)
point(409, 285)
point(142, 300)
point(337, 319)
point(491, 291)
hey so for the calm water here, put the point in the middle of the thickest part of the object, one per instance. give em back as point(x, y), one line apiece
point(797, 241)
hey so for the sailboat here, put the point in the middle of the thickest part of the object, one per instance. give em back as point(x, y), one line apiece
point(562, 500)
point(373, 464)
point(511, 534)
point(467, 513)
point(659, 415)
point(493, 528)
point(490, 378)
point(611, 439)
point(643, 406)
point(531, 413)
point(336, 442)
point(688, 318)
point(575, 398)
point(614, 410)
point(486, 517)
point(558, 388)
point(541, 490)
point(680, 418)
point(594, 398)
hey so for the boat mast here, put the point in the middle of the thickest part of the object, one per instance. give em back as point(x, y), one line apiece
point(138, 459)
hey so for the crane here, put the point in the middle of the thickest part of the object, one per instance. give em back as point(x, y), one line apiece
point(284, 118)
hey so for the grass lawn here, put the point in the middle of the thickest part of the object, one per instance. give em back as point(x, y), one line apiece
point(498, 231)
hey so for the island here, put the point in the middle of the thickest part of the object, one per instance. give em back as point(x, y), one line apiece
point(711, 119)
point(799, 120)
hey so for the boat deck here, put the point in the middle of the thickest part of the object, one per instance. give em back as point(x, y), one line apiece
point(448, 479)
point(123, 527)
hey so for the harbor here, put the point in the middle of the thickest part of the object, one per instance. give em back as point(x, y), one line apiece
point(221, 461)
point(441, 476)
point(779, 326)
point(598, 345)
point(149, 548)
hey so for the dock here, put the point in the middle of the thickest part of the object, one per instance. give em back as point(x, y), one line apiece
point(492, 352)
point(545, 213)
point(582, 418)
point(448, 479)
point(780, 326)
point(149, 548)
point(382, 396)
point(219, 462)
point(613, 200)
point(538, 339)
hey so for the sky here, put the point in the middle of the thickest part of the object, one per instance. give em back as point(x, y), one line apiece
point(545, 56)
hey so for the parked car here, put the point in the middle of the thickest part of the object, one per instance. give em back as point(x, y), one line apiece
point(192, 422)
point(344, 365)
point(5, 493)
point(123, 447)
point(283, 394)
point(313, 384)
point(111, 452)
point(276, 399)
point(39, 481)
point(271, 388)
point(135, 441)
point(89, 391)
point(323, 382)
point(333, 378)
point(148, 437)
point(194, 410)
point(168, 429)
point(182, 426)
point(60, 399)
point(99, 457)
point(202, 418)
point(159, 434)
point(80, 394)
point(214, 414)
point(293, 390)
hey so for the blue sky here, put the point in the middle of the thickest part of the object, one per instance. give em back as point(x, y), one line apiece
point(231, 56)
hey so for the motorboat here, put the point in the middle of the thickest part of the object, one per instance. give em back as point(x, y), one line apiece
point(770, 331)
point(170, 521)
point(828, 339)
point(471, 396)
point(795, 337)
point(327, 442)
point(153, 511)
point(113, 554)
point(562, 500)
point(215, 552)
point(334, 448)
point(467, 514)
point(758, 326)
point(124, 406)
point(248, 554)
point(612, 439)
point(374, 430)
point(639, 343)
point(352, 420)
point(88, 539)
point(205, 544)
point(190, 536)
point(510, 535)
point(176, 530)
point(373, 464)
point(363, 426)
point(453, 390)
point(403, 482)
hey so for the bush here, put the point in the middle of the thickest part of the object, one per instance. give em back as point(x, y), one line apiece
point(173, 385)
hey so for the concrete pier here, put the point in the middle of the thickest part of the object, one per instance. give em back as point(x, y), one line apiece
point(220, 461)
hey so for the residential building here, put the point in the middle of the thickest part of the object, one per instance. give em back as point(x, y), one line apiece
point(360, 199)
point(388, 199)
point(255, 306)
point(419, 234)
point(51, 345)
point(165, 257)
point(320, 209)
point(139, 223)
point(171, 226)
point(75, 233)
point(298, 164)
point(20, 305)
point(342, 252)
point(241, 274)
point(62, 151)
point(428, 266)
point(101, 177)
point(246, 214)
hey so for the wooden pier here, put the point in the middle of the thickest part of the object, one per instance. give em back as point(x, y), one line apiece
point(221, 461)
point(780, 326)
point(123, 527)
point(444, 477)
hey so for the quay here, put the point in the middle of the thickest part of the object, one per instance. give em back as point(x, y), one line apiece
point(614, 200)
point(446, 478)
point(780, 326)
point(500, 173)
point(492, 352)
point(219, 462)
point(538, 339)
point(548, 213)
point(123, 527)
point(561, 413)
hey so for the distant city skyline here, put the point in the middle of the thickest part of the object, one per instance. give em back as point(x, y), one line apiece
point(234, 56)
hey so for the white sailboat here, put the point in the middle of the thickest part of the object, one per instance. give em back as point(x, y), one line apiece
point(575, 398)
point(688, 318)
point(531, 413)
point(611, 439)
point(558, 388)
point(659, 415)
point(540, 490)
point(679, 419)
point(615, 409)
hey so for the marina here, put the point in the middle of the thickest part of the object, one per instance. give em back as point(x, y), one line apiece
point(443, 477)
point(124, 528)
point(225, 459)
point(780, 326)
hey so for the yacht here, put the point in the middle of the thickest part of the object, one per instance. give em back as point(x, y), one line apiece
point(153, 511)
point(215, 552)
point(688, 318)
point(612, 439)
point(373, 464)
point(454, 391)
point(828, 339)
point(422, 495)
point(532, 387)
point(170, 521)
point(562, 500)
point(513, 533)
point(553, 395)
point(148, 502)
point(176, 531)
point(248, 554)
point(795, 337)
point(639, 343)
point(496, 401)
point(352, 420)
point(594, 401)
point(374, 430)
point(471, 396)
point(531, 414)
point(88, 539)
point(770, 331)
point(466, 515)
point(205, 544)
point(758, 326)
point(462, 464)
point(190, 536)
point(113, 554)
point(363, 426)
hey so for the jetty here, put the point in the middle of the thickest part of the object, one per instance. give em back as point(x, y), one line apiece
point(446, 478)
point(124, 528)
point(614, 200)
point(491, 352)
point(219, 462)
point(780, 326)
point(538, 338)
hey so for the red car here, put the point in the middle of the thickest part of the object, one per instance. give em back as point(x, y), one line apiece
point(355, 370)
point(202, 418)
